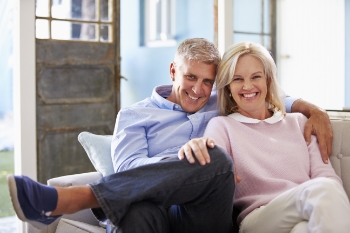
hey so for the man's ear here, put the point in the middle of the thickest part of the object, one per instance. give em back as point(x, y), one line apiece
point(172, 71)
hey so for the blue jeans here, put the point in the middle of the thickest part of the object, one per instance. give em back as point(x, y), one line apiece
point(170, 196)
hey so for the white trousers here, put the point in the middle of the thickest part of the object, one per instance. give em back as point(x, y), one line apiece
point(318, 205)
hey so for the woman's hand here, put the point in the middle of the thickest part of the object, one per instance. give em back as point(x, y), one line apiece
point(196, 149)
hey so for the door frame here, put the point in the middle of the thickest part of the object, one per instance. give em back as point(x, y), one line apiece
point(24, 100)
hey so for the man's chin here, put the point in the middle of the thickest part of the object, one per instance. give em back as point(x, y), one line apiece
point(193, 109)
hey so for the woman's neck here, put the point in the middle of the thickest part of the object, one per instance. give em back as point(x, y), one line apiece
point(260, 115)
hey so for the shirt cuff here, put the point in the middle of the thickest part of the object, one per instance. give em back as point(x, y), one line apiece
point(288, 101)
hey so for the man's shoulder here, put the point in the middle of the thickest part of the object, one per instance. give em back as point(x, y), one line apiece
point(140, 105)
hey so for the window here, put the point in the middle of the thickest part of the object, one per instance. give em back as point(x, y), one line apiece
point(254, 20)
point(87, 20)
point(159, 23)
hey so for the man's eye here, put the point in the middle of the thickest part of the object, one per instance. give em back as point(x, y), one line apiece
point(190, 76)
point(210, 82)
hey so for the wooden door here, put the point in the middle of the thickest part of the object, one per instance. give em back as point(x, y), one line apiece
point(77, 80)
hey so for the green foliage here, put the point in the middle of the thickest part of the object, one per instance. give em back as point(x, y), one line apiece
point(6, 167)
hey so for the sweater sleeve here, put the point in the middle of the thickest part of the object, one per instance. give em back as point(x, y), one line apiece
point(217, 130)
point(317, 167)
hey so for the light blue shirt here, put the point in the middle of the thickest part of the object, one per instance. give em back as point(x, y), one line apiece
point(155, 128)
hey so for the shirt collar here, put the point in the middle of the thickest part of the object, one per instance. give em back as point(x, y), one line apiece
point(159, 95)
point(276, 117)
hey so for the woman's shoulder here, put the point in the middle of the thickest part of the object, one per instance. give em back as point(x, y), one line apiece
point(296, 117)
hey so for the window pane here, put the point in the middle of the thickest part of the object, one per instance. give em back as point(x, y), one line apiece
point(105, 33)
point(42, 8)
point(261, 39)
point(159, 24)
point(62, 30)
point(74, 9)
point(247, 15)
point(42, 29)
point(238, 37)
point(105, 11)
point(267, 16)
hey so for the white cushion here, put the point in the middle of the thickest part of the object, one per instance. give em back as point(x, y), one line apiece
point(98, 149)
point(66, 225)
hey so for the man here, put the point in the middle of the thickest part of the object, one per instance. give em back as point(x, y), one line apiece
point(152, 190)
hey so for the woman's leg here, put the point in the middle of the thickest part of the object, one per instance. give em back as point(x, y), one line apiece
point(300, 227)
point(319, 201)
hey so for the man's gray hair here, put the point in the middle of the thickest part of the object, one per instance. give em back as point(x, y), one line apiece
point(197, 49)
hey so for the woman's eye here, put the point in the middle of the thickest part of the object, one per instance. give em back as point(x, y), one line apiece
point(237, 79)
point(257, 76)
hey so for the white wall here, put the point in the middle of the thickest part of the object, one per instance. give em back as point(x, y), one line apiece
point(310, 50)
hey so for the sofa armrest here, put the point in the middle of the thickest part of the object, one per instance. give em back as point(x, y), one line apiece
point(85, 216)
point(76, 179)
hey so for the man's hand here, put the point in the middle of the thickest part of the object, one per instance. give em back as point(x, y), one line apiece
point(196, 148)
point(318, 124)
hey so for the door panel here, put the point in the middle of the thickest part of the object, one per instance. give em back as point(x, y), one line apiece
point(77, 90)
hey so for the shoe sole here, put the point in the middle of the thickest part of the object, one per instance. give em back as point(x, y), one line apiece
point(11, 182)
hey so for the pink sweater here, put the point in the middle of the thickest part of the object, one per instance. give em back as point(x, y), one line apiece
point(269, 158)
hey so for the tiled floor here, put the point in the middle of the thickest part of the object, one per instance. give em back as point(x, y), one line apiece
point(8, 225)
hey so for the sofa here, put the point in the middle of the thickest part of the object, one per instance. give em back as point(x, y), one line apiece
point(98, 149)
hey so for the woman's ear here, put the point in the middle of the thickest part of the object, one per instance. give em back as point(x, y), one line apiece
point(268, 82)
point(228, 90)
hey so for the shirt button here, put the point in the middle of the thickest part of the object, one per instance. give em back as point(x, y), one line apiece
point(193, 118)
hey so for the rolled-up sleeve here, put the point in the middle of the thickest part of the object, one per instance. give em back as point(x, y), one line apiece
point(288, 101)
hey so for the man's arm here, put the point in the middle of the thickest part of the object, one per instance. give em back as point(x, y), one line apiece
point(129, 147)
point(318, 124)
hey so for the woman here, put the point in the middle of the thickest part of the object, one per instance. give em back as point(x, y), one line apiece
point(284, 186)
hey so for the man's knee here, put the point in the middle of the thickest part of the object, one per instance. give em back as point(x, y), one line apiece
point(220, 156)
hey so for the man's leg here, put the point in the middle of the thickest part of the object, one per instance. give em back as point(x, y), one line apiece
point(142, 217)
point(199, 192)
point(171, 182)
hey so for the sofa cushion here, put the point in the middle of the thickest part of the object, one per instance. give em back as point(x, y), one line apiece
point(98, 149)
point(66, 225)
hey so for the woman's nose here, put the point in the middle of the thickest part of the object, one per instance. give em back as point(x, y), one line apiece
point(247, 85)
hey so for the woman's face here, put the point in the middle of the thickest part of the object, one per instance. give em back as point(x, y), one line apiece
point(249, 87)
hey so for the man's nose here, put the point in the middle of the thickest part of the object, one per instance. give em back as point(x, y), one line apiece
point(197, 88)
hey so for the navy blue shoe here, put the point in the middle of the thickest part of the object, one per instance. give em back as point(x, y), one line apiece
point(32, 200)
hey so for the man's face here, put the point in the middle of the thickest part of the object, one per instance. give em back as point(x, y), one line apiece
point(192, 84)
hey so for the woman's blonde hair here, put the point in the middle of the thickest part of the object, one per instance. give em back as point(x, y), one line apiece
point(226, 70)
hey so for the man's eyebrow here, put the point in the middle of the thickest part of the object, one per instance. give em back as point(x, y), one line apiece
point(189, 74)
point(209, 79)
